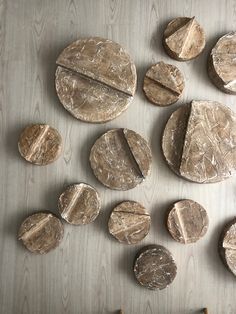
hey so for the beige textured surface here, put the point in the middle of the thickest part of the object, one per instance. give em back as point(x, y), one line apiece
point(129, 222)
point(187, 221)
point(90, 273)
point(96, 79)
point(163, 84)
point(79, 204)
point(222, 63)
point(41, 232)
point(184, 38)
point(121, 159)
point(102, 60)
point(155, 267)
point(209, 151)
point(200, 145)
point(227, 246)
point(89, 100)
point(40, 144)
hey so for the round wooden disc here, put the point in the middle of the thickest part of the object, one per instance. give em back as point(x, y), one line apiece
point(95, 79)
point(79, 204)
point(163, 84)
point(187, 221)
point(41, 232)
point(40, 144)
point(120, 159)
point(184, 38)
point(129, 222)
point(199, 142)
point(154, 267)
point(222, 63)
point(227, 246)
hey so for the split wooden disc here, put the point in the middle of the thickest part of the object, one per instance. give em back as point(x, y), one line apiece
point(95, 79)
point(184, 38)
point(129, 222)
point(120, 159)
point(199, 142)
point(187, 221)
point(79, 204)
point(227, 246)
point(222, 63)
point(40, 144)
point(163, 84)
point(41, 232)
point(154, 267)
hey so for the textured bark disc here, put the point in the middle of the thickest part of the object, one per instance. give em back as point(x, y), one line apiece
point(184, 38)
point(227, 246)
point(95, 79)
point(222, 63)
point(79, 204)
point(187, 221)
point(129, 222)
point(154, 267)
point(199, 142)
point(121, 159)
point(163, 84)
point(41, 232)
point(40, 144)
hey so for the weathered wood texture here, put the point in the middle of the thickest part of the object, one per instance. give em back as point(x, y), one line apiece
point(91, 272)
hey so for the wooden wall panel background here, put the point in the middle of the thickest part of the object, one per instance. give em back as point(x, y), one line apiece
point(90, 272)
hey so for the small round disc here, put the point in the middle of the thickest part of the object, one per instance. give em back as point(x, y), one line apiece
point(199, 142)
point(129, 222)
point(222, 63)
point(154, 267)
point(227, 246)
point(163, 84)
point(184, 38)
point(41, 232)
point(40, 144)
point(187, 221)
point(79, 204)
point(95, 79)
point(120, 159)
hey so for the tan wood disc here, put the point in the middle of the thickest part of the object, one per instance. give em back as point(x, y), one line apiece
point(222, 63)
point(184, 38)
point(121, 159)
point(95, 79)
point(227, 246)
point(40, 144)
point(163, 84)
point(187, 221)
point(199, 142)
point(129, 222)
point(154, 267)
point(79, 204)
point(41, 232)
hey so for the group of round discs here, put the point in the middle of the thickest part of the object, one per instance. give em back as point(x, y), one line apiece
point(79, 204)
point(96, 78)
point(198, 143)
point(120, 158)
point(96, 81)
point(129, 223)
